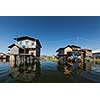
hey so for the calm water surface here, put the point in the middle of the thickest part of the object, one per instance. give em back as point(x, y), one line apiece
point(48, 72)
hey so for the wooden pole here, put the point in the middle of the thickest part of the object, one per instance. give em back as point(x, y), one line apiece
point(15, 60)
point(84, 64)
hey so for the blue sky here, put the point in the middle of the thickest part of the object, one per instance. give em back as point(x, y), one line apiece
point(53, 31)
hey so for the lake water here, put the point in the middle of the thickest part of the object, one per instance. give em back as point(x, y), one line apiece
point(49, 72)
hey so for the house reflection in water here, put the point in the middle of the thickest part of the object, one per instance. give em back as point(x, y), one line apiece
point(70, 69)
point(88, 66)
point(3, 60)
point(25, 73)
point(12, 64)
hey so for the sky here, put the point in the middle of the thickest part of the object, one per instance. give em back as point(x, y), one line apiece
point(52, 31)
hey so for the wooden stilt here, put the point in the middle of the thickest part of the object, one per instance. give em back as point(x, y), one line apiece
point(84, 65)
point(15, 61)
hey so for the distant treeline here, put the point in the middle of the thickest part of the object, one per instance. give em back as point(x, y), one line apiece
point(49, 58)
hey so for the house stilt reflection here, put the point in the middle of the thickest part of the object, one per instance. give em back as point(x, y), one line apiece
point(27, 73)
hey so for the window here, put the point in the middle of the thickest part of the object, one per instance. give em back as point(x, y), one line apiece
point(32, 44)
point(20, 42)
point(27, 42)
point(32, 53)
point(23, 46)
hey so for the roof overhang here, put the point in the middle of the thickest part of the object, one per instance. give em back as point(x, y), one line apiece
point(15, 45)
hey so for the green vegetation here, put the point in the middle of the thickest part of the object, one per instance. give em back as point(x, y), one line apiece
point(53, 59)
point(49, 58)
point(88, 59)
point(96, 60)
